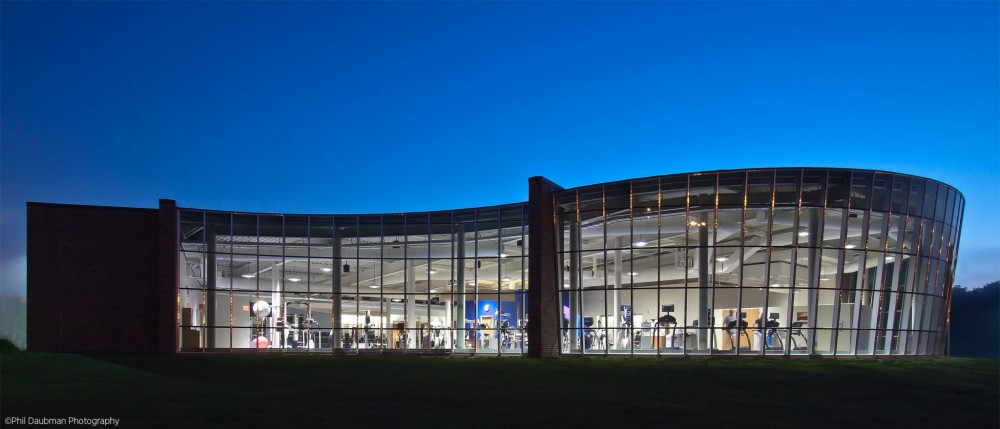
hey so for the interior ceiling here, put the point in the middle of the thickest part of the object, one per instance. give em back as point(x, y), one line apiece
point(379, 260)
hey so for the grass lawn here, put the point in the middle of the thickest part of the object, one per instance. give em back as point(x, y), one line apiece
point(404, 392)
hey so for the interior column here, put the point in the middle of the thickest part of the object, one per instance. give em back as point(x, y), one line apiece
point(574, 284)
point(616, 298)
point(704, 313)
point(815, 232)
point(459, 301)
point(278, 308)
point(411, 304)
point(210, 266)
point(338, 313)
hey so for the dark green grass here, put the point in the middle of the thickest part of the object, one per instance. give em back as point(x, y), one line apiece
point(403, 392)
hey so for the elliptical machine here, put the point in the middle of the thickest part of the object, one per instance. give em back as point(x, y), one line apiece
point(623, 335)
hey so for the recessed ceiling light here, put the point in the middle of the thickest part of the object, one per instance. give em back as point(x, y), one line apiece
point(396, 300)
point(566, 285)
point(373, 286)
point(824, 279)
point(722, 259)
point(633, 273)
point(327, 269)
point(503, 255)
point(249, 276)
point(640, 243)
point(850, 246)
point(294, 279)
point(431, 271)
point(803, 233)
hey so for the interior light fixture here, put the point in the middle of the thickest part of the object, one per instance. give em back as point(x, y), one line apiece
point(633, 273)
point(249, 276)
point(722, 259)
point(373, 286)
point(850, 246)
point(640, 243)
point(823, 279)
point(803, 233)
point(566, 285)
point(294, 279)
point(505, 279)
point(431, 271)
point(503, 255)
point(396, 300)
point(327, 269)
point(889, 258)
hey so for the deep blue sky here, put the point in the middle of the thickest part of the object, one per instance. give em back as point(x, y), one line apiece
point(389, 107)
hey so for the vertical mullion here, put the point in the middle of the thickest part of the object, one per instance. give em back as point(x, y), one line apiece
point(767, 256)
point(739, 259)
point(231, 231)
point(794, 262)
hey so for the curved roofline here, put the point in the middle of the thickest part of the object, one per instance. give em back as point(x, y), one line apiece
point(732, 170)
point(581, 187)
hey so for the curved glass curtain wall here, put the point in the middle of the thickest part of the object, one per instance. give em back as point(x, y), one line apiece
point(812, 261)
point(439, 282)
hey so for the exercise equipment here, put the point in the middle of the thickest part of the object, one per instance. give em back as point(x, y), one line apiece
point(622, 334)
point(767, 333)
point(797, 332)
point(668, 321)
point(506, 334)
point(735, 328)
point(590, 337)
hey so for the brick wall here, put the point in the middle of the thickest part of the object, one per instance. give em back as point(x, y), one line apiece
point(543, 312)
point(94, 280)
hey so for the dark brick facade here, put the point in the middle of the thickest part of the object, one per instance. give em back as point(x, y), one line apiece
point(97, 280)
point(543, 312)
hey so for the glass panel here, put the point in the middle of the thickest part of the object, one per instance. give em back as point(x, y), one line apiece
point(861, 184)
point(759, 187)
point(812, 187)
point(930, 199)
point(786, 187)
point(731, 189)
point(783, 227)
point(674, 191)
point(881, 187)
point(702, 191)
point(916, 200)
point(835, 224)
point(900, 193)
point(838, 189)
